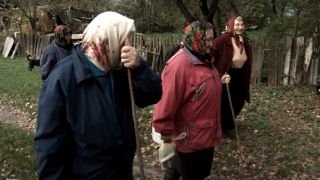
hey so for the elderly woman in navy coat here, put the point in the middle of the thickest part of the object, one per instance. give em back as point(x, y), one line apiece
point(85, 128)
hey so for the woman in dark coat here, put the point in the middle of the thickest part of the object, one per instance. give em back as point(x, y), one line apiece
point(233, 59)
point(60, 47)
point(85, 128)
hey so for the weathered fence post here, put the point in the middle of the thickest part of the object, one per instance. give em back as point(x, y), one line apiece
point(258, 53)
point(287, 61)
point(307, 55)
point(294, 77)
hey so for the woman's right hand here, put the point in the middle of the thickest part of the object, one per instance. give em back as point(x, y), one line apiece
point(225, 79)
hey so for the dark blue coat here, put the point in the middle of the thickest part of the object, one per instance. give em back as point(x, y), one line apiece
point(51, 55)
point(85, 128)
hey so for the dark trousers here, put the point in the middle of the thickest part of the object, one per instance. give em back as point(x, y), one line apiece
point(190, 166)
point(236, 87)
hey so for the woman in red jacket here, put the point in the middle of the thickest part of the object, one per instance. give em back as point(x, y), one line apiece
point(233, 59)
point(190, 104)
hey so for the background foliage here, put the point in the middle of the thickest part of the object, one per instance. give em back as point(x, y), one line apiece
point(272, 17)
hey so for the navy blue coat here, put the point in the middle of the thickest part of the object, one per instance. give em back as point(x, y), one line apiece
point(51, 55)
point(83, 132)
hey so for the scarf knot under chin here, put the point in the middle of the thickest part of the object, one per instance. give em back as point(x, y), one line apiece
point(239, 40)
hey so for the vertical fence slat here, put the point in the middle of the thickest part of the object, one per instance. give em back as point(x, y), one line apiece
point(294, 77)
point(287, 61)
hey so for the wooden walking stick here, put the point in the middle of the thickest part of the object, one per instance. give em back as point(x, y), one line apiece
point(233, 116)
point(133, 107)
point(135, 125)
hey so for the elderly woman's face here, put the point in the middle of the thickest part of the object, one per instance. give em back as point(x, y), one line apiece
point(68, 38)
point(209, 40)
point(238, 27)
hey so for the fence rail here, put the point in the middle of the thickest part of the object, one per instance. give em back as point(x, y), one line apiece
point(275, 61)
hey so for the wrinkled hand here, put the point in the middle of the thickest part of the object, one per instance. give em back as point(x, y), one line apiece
point(129, 56)
point(225, 79)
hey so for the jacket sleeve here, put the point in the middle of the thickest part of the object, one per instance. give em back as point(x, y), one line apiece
point(217, 46)
point(52, 137)
point(217, 52)
point(47, 61)
point(147, 86)
point(173, 85)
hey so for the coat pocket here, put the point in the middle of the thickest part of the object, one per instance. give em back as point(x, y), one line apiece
point(200, 133)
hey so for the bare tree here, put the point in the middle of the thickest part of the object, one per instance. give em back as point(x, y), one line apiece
point(28, 9)
point(233, 7)
point(207, 11)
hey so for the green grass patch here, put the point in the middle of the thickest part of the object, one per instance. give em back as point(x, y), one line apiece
point(17, 154)
point(19, 87)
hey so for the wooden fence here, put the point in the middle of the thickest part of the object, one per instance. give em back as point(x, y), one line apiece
point(32, 44)
point(275, 61)
point(154, 48)
point(285, 61)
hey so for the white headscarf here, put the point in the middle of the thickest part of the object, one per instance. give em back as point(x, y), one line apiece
point(103, 38)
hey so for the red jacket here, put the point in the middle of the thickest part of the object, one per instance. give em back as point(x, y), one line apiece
point(190, 103)
point(223, 53)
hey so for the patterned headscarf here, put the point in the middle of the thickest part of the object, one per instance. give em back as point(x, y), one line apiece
point(60, 31)
point(103, 38)
point(194, 38)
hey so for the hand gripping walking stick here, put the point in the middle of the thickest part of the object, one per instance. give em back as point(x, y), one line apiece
point(233, 116)
point(127, 43)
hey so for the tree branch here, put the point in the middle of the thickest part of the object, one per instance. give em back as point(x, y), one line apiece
point(274, 10)
point(204, 7)
point(233, 7)
point(212, 10)
point(185, 11)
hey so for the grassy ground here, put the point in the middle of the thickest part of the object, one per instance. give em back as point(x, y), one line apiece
point(19, 87)
point(16, 153)
point(279, 131)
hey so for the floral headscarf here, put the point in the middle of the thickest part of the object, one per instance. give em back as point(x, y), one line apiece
point(103, 38)
point(60, 31)
point(194, 38)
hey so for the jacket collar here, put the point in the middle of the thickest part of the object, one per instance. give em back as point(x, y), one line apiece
point(81, 70)
point(192, 58)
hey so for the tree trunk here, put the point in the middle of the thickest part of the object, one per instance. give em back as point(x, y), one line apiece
point(6, 25)
point(314, 68)
point(213, 9)
point(297, 23)
point(233, 7)
point(220, 26)
point(187, 15)
point(33, 23)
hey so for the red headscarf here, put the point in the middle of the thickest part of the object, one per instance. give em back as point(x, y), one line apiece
point(238, 38)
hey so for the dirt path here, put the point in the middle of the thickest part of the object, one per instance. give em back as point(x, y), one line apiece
point(5, 116)
point(17, 118)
